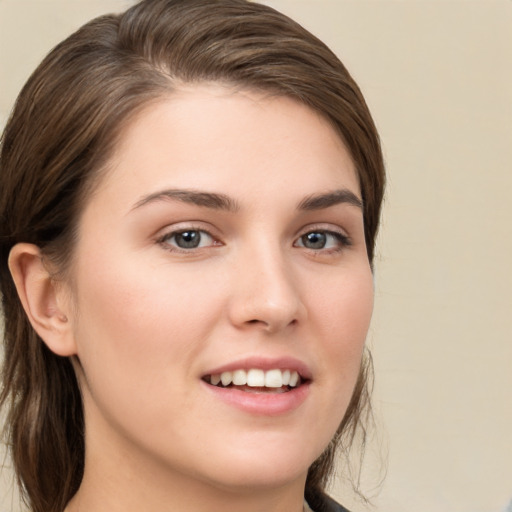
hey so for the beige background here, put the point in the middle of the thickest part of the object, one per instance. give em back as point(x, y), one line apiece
point(438, 77)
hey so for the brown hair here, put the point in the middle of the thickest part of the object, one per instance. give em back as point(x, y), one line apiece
point(64, 127)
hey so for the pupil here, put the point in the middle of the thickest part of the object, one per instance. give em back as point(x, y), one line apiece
point(188, 239)
point(314, 240)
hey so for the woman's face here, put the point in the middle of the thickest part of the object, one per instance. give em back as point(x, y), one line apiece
point(225, 242)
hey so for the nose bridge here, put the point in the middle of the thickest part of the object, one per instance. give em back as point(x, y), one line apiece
point(265, 294)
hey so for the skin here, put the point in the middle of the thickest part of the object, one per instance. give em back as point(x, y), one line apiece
point(147, 319)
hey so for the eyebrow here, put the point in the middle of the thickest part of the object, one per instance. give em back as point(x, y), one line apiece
point(218, 201)
point(325, 200)
point(204, 199)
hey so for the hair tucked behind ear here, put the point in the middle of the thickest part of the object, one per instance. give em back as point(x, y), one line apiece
point(63, 129)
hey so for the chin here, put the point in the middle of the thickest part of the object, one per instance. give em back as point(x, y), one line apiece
point(263, 469)
point(264, 477)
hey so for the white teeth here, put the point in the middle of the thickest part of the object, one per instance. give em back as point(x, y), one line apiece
point(226, 378)
point(257, 378)
point(294, 378)
point(273, 379)
point(239, 377)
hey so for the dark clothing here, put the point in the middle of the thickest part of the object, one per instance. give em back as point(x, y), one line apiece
point(324, 503)
point(331, 506)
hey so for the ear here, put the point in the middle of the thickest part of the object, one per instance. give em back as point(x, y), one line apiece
point(45, 301)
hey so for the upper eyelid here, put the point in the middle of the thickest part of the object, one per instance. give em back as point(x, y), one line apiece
point(176, 231)
point(179, 227)
point(217, 234)
point(324, 227)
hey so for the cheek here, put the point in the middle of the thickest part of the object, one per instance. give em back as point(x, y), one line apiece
point(343, 308)
point(139, 335)
point(342, 314)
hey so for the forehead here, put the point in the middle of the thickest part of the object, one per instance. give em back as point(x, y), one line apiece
point(217, 137)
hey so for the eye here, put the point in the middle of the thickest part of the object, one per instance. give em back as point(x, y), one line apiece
point(322, 240)
point(187, 239)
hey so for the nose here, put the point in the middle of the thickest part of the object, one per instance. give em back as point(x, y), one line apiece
point(265, 293)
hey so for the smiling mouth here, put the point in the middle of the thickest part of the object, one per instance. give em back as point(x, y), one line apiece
point(257, 380)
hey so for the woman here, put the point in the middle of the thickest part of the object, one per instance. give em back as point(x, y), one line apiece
point(190, 194)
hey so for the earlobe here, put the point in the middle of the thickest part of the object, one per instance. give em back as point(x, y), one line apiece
point(43, 299)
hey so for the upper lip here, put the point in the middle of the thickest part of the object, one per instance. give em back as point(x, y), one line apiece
point(263, 363)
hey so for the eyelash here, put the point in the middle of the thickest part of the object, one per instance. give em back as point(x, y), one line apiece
point(342, 241)
point(165, 239)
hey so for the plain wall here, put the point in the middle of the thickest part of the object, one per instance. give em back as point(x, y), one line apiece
point(437, 75)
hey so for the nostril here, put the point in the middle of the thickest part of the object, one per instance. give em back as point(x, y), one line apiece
point(270, 325)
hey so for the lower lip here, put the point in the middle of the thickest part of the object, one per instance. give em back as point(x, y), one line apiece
point(266, 404)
